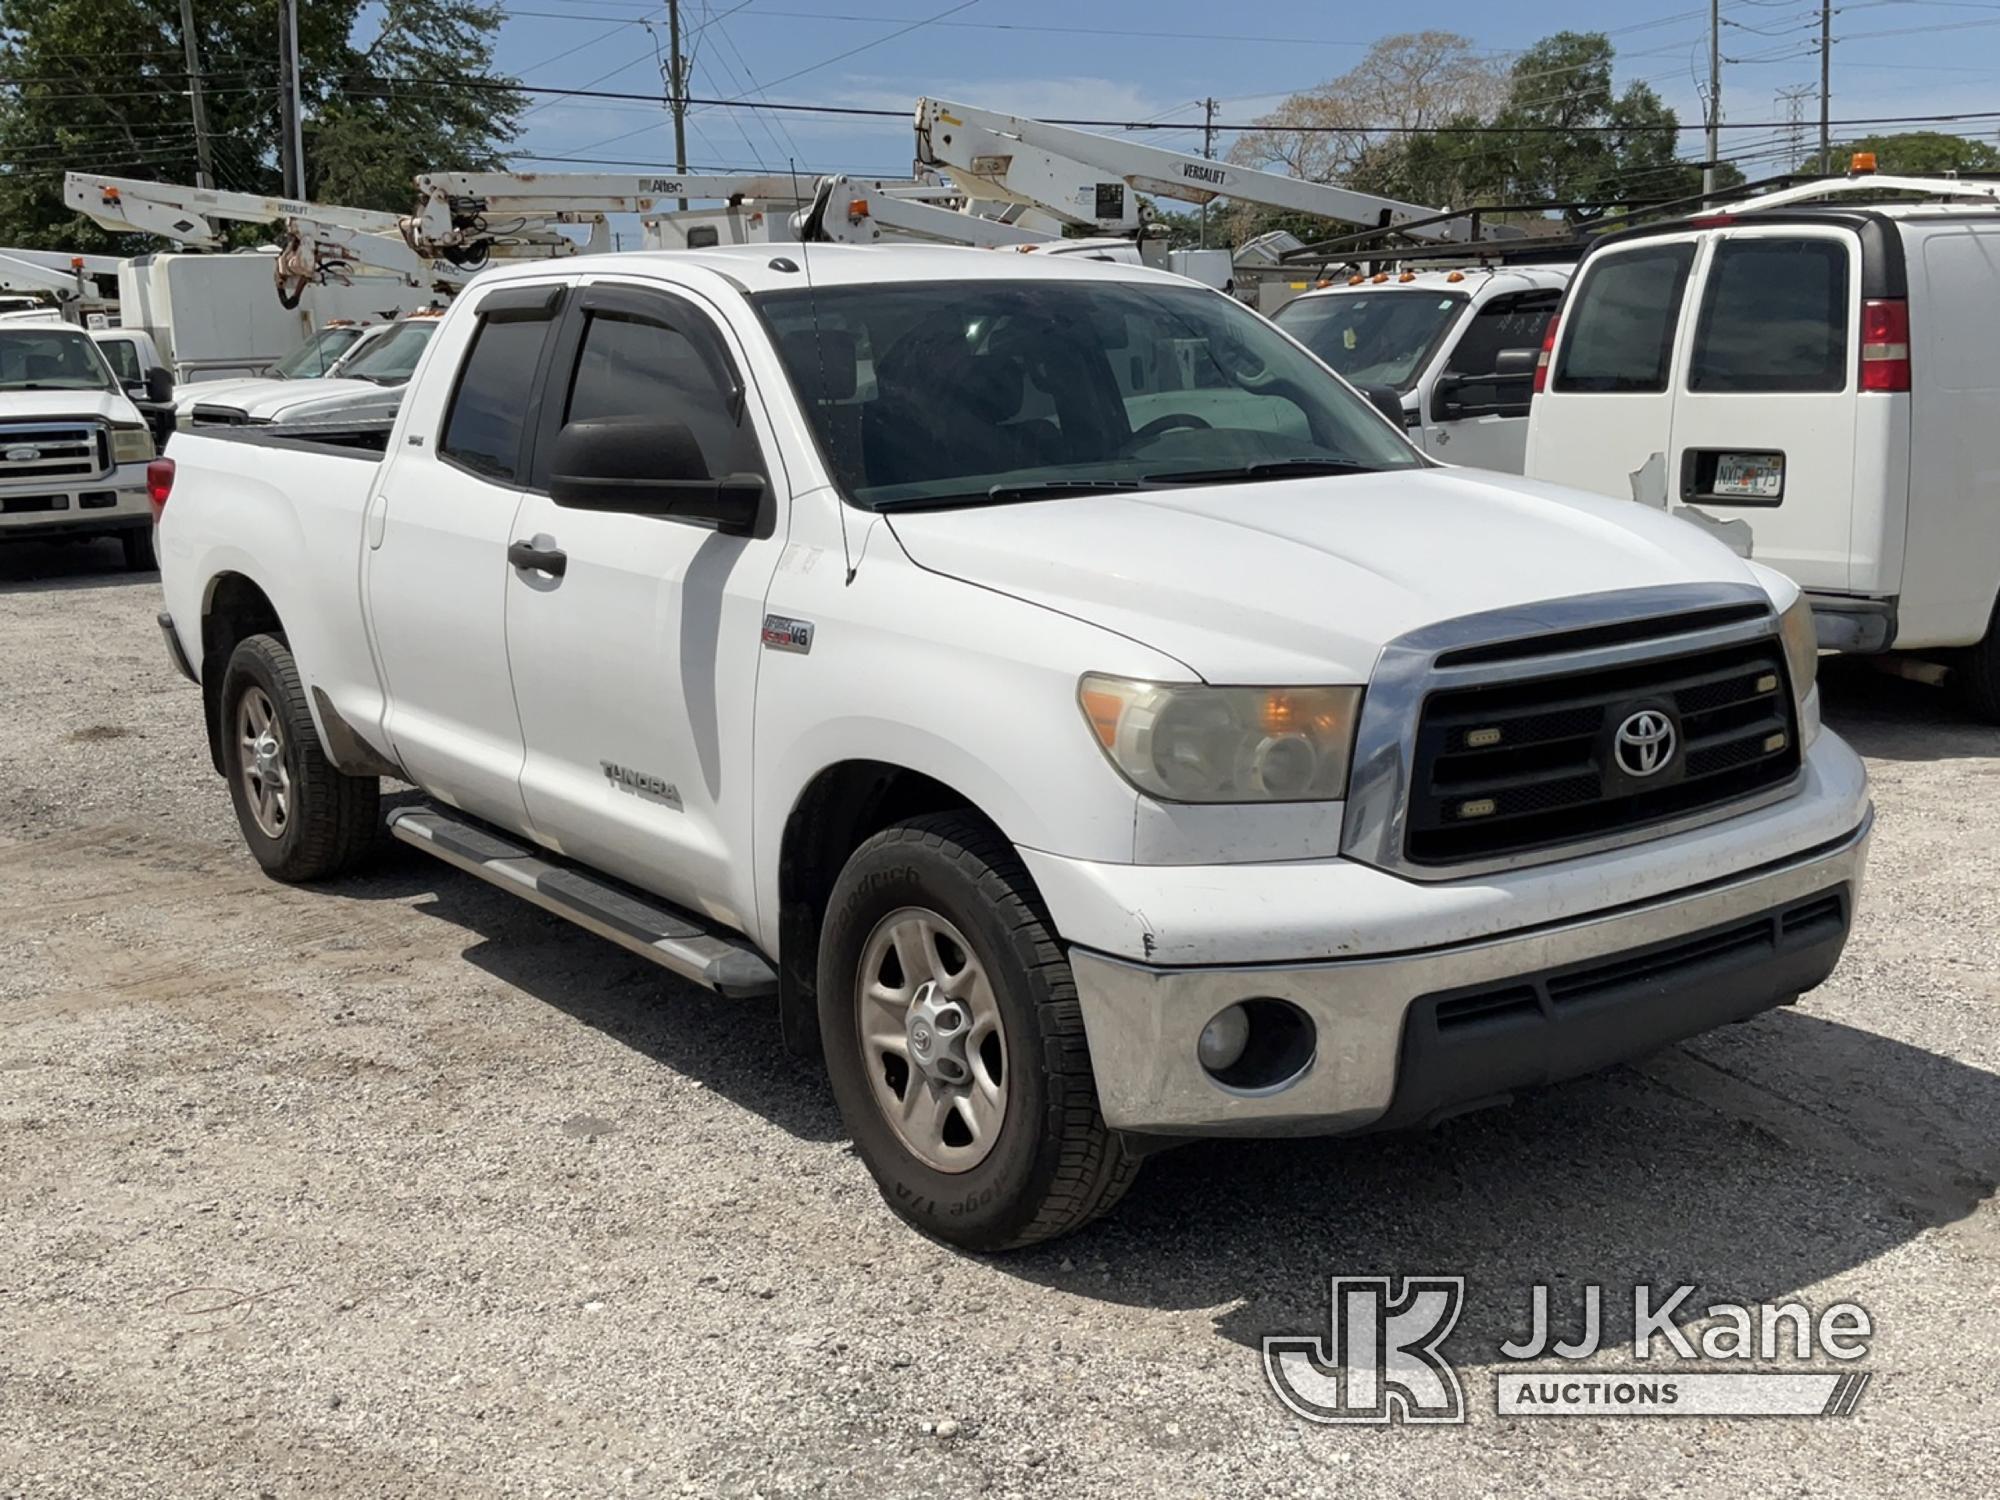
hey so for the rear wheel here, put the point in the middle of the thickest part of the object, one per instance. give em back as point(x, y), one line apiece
point(138, 545)
point(955, 1042)
point(302, 818)
point(1979, 674)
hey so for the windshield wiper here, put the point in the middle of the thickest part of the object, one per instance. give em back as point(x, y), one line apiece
point(1276, 468)
point(1007, 494)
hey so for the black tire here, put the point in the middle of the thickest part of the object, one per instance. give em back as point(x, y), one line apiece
point(1979, 674)
point(330, 819)
point(138, 545)
point(1054, 1164)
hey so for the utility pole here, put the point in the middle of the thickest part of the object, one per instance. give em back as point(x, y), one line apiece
point(1207, 150)
point(291, 132)
point(1825, 84)
point(1714, 97)
point(204, 173)
point(677, 91)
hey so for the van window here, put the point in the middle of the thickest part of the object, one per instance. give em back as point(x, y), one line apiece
point(1620, 334)
point(1773, 318)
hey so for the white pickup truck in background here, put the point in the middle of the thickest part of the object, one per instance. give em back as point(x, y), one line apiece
point(1092, 723)
point(1457, 346)
point(74, 448)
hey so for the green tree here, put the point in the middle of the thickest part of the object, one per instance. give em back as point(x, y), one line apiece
point(1565, 135)
point(101, 86)
point(1916, 153)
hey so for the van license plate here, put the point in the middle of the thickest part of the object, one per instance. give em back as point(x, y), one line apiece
point(1754, 476)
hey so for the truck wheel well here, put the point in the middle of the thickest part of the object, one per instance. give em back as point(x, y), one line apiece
point(235, 610)
point(842, 807)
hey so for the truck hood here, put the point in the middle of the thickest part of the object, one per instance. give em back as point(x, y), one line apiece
point(281, 399)
point(1305, 580)
point(232, 392)
point(103, 406)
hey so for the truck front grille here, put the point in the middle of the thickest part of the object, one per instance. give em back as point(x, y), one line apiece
point(40, 451)
point(1505, 767)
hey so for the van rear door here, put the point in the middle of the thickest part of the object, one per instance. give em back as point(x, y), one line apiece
point(1764, 418)
point(1604, 423)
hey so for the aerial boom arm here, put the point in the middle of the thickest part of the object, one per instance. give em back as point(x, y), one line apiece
point(323, 242)
point(1092, 180)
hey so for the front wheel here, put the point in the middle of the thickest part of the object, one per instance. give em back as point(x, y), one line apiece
point(138, 545)
point(955, 1042)
point(302, 818)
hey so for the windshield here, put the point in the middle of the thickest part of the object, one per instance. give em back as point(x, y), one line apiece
point(1373, 338)
point(51, 359)
point(393, 359)
point(316, 355)
point(969, 391)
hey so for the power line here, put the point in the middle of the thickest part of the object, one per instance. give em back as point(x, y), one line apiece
point(865, 112)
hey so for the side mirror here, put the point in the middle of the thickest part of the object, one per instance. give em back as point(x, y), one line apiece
point(1516, 361)
point(649, 466)
point(159, 384)
point(1387, 400)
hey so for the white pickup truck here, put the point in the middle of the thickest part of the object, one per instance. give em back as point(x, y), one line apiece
point(1092, 723)
point(74, 448)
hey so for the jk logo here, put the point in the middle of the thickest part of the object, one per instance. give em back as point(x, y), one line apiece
point(1379, 1360)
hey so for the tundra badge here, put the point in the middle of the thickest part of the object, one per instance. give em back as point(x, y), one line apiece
point(643, 782)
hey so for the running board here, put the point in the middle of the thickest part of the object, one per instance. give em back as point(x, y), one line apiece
point(645, 925)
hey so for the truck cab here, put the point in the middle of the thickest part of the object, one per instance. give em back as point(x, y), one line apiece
point(1457, 346)
point(1814, 384)
point(74, 448)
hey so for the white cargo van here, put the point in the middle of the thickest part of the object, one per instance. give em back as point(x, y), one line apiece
point(1816, 382)
point(1458, 346)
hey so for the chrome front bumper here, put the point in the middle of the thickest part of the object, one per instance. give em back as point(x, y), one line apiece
point(1578, 995)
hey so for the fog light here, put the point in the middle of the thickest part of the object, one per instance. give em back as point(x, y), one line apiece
point(1224, 1038)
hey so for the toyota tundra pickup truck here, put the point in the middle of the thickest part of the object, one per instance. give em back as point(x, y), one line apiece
point(1077, 710)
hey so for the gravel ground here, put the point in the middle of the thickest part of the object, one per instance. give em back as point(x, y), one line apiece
point(399, 1187)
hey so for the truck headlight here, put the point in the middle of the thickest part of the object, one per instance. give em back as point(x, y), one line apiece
point(131, 445)
point(1192, 743)
point(1801, 638)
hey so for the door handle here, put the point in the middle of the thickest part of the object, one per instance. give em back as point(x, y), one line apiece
point(530, 558)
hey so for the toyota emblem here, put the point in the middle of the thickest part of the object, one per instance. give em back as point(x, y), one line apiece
point(1645, 743)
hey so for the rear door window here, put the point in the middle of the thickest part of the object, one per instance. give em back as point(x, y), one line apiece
point(489, 408)
point(1620, 332)
point(1774, 317)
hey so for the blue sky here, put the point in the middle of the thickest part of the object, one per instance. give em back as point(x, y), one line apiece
point(1151, 59)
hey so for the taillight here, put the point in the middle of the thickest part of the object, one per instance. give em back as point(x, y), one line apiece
point(159, 483)
point(1885, 344)
point(1548, 353)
